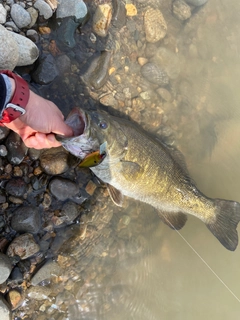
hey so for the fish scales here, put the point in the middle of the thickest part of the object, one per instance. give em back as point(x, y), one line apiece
point(141, 167)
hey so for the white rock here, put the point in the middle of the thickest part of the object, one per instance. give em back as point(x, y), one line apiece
point(3, 14)
point(43, 8)
point(70, 8)
point(8, 50)
point(27, 50)
point(34, 15)
point(20, 16)
point(5, 311)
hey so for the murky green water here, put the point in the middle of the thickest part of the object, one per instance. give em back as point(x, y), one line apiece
point(170, 280)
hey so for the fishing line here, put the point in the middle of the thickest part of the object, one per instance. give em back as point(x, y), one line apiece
point(206, 264)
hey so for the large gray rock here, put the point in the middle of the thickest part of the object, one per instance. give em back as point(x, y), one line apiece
point(5, 267)
point(70, 8)
point(27, 50)
point(20, 16)
point(3, 14)
point(63, 189)
point(46, 272)
point(26, 219)
point(43, 8)
point(16, 50)
point(8, 50)
point(5, 312)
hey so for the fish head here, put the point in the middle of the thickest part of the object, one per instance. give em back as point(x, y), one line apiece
point(93, 131)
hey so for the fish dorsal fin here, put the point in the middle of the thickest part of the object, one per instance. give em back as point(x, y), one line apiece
point(115, 195)
point(174, 220)
point(131, 170)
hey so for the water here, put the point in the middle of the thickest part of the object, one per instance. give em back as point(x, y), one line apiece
point(166, 279)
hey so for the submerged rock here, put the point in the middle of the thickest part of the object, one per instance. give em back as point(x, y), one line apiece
point(197, 2)
point(46, 71)
point(101, 19)
point(23, 246)
point(154, 74)
point(26, 219)
point(155, 25)
point(63, 189)
point(181, 10)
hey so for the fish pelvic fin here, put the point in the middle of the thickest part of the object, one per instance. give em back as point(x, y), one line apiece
point(225, 225)
point(116, 195)
point(174, 220)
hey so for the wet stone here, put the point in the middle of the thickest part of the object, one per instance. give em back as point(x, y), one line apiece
point(3, 151)
point(26, 219)
point(63, 63)
point(38, 293)
point(46, 71)
point(5, 267)
point(16, 187)
point(63, 189)
point(23, 246)
point(155, 25)
point(70, 211)
point(54, 161)
point(101, 19)
point(154, 74)
point(5, 311)
point(4, 131)
point(197, 2)
point(15, 298)
point(119, 14)
point(181, 10)
point(16, 148)
point(46, 272)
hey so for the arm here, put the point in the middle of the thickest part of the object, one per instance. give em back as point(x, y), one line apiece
point(40, 122)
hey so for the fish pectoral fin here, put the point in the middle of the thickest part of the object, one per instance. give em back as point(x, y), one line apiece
point(174, 220)
point(116, 195)
point(131, 170)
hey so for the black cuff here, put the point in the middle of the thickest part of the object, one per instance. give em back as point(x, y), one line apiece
point(3, 92)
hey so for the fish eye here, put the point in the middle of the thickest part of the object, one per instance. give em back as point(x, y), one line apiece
point(103, 125)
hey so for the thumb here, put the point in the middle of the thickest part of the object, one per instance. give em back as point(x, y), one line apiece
point(63, 129)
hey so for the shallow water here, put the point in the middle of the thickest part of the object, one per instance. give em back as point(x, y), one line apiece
point(168, 280)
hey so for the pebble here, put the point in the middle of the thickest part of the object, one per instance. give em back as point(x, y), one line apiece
point(197, 2)
point(20, 16)
point(34, 16)
point(5, 267)
point(26, 219)
point(38, 293)
point(181, 10)
point(16, 187)
point(164, 94)
point(27, 50)
point(54, 161)
point(119, 14)
point(155, 25)
point(63, 189)
point(70, 211)
point(5, 311)
point(102, 19)
point(154, 74)
point(15, 298)
point(8, 50)
point(168, 60)
point(131, 10)
point(46, 71)
point(43, 8)
point(23, 246)
point(71, 7)
point(46, 272)
point(16, 148)
point(3, 14)
point(3, 151)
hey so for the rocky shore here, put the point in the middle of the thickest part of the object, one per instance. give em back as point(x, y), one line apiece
point(60, 235)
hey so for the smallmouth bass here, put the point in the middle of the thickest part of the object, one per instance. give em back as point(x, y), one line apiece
point(141, 167)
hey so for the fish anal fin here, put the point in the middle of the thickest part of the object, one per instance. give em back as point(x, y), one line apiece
point(116, 195)
point(174, 220)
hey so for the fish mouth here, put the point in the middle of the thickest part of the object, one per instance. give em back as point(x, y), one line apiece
point(81, 143)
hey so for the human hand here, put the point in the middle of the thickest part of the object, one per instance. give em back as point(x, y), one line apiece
point(38, 125)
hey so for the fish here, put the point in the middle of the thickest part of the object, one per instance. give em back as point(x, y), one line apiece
point(144, 168)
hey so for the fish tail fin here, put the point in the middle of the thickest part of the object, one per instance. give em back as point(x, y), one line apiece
point(225, 225)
